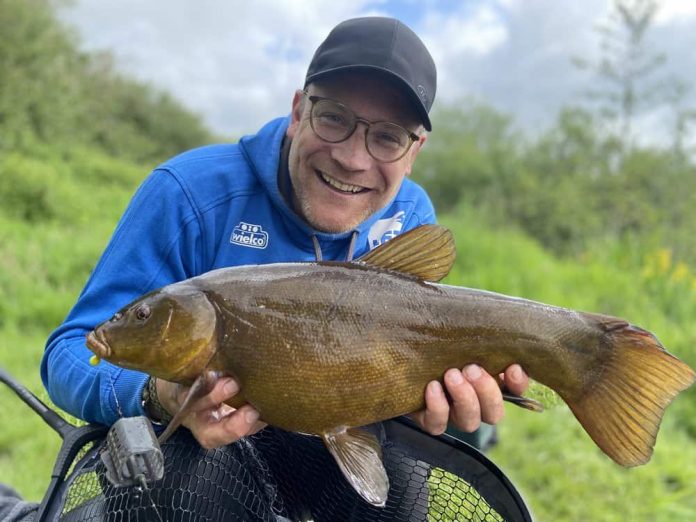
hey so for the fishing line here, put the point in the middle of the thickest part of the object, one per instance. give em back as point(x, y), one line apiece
point(113, 390)
point(142, 488)
point(257, 463)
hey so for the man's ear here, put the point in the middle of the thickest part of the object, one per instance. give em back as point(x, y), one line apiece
point(296, 113)
point(413, 152)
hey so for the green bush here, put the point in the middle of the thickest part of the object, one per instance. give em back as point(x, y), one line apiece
point(27, 188)
point(51, 92)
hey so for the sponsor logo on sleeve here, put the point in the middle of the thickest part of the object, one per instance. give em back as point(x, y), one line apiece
point(249, 235)
point(385, 229)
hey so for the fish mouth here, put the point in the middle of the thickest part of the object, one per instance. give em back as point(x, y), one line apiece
point(98, 344)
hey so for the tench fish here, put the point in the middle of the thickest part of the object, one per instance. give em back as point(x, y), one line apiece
point(326, 347)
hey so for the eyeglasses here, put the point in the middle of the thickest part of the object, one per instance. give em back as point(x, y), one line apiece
point(334, 122)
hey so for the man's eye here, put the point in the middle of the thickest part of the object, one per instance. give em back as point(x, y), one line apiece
point(332, 118)
point(387, 140)
point(142, 312)
point(388, 137)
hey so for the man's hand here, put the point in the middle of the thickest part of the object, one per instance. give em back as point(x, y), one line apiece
point(475, 397)
point(212, 422)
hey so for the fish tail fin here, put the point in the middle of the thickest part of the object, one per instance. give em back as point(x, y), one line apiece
point(623, 408)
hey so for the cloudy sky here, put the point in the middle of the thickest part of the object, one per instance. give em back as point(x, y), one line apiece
point(238, 62)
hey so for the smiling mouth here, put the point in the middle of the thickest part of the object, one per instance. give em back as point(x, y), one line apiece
point(340, 186)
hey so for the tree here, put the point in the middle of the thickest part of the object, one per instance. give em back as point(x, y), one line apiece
point(39, 75)
point(53, 93)
point(683, 116)
point(626, 64)
point(470, 158)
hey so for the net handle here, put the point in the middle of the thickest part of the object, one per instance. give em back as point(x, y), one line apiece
point(74, 439)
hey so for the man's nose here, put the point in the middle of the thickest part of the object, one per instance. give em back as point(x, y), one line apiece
point(352, 153)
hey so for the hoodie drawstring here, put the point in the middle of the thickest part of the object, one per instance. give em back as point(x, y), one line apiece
point(317, 248)
point(351, 247)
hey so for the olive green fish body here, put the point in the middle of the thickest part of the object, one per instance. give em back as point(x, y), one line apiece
point(316, 346)
point(322, 348)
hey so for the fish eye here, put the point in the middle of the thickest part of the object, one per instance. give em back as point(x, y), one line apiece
point(142, 312)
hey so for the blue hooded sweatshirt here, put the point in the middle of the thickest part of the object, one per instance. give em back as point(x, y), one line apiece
point(208, 208)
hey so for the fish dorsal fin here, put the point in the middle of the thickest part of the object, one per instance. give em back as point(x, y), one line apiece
point(426, 252)
point(359, 455)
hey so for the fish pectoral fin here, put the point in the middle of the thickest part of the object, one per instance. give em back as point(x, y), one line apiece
point(426, 252)
point(201, 387)
point(359, 455)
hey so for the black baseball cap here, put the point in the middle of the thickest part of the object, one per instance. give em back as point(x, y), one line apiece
point(380, 44)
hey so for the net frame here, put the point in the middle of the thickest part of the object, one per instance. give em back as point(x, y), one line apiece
point(280, 476)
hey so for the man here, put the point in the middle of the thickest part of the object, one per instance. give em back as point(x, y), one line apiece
point(329, 181)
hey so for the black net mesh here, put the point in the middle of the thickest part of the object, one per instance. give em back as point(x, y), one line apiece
point(277, 476)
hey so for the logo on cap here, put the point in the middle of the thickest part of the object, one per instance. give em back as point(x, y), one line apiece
point(422, 94)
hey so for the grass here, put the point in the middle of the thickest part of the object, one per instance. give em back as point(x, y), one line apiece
point(46, 253)
point(28, 447)
point(563, 476)
point(45, 260)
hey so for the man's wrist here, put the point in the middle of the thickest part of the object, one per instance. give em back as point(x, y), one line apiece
point(154, 409)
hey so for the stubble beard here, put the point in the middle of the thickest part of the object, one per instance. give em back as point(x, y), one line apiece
point(306, 209)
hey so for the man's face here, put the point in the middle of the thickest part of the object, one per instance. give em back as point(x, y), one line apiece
point(336, 186)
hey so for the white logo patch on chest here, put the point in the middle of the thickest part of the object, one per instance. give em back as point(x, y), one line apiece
point(385, 229)
point(249, 235)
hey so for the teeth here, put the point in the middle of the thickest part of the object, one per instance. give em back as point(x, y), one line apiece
point(343, 187)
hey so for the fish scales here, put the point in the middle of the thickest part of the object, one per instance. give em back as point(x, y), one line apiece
point(339, 335)
point(323, 348)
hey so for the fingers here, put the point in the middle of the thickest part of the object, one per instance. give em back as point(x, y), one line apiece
point(433, 418)
point(212, 432)
point(476, 397)
point(212, 422)
point(515, 379)
point(224, 389)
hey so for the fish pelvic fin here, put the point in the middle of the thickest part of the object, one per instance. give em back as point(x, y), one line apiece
point(359, 456)
point(623, 409)
point(523, 402)
point(426, 252)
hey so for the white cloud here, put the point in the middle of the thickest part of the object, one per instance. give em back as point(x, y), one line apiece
point(676, 11)
point(457, 38)
point(238, 63)
point(477, 32)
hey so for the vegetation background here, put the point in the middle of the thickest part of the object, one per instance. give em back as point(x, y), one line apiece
point(579, 216)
